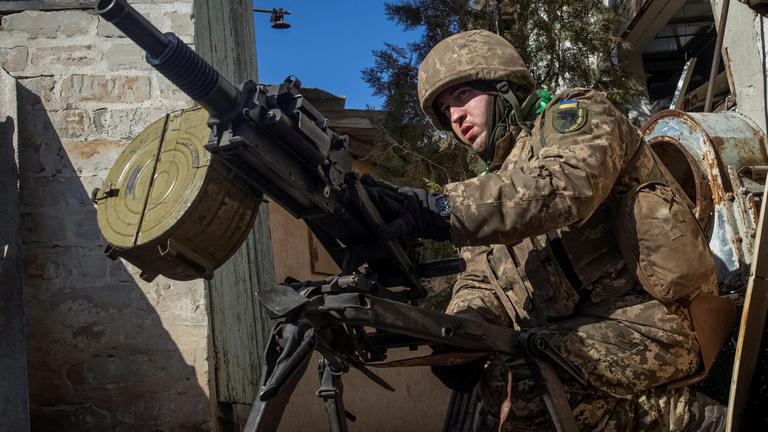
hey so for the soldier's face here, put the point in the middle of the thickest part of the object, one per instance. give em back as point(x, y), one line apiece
point(466, 107)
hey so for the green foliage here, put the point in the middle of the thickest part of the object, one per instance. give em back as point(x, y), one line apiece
point(565, 43)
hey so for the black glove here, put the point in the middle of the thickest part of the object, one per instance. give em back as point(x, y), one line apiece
point(409, 211)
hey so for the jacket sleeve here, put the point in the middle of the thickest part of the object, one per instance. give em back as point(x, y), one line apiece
point(473, 295)
point(568, 170)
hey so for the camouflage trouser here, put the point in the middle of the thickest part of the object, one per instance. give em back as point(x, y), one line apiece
point(624, 347)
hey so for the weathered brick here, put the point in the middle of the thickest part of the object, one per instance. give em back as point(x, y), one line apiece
point(106, 89)
point(74, 22)
point(71, 123)
point(118, 271)
point(181, 24)
point(34, 265)
point(65, 56)
point(42, 228)
point(30, 23)
point(40, 148)
point(105, 29)
point(10, 40)
point(85, 228)
point(49, 24)
point(70, 417)
point(90, 157)
point(94, 180)
point(128, 56)
point(31, 164)
point(80, 265)
point(170, 93)
point(104, 126)
point(83, 302)
point(123, 124)
point(89, 336)
point(36, 93)
point(90, 262)
point(14, 59)
point(54, 192)
point(47, 264)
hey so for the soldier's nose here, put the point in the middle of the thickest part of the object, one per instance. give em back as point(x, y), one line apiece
point(458, 114)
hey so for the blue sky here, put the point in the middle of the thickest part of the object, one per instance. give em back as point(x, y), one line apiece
point(327, 46)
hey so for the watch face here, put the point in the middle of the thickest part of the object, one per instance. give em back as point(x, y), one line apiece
point(443, 206)
point(569, 117)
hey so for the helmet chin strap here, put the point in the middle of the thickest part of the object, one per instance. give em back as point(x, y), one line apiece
point(505, 113)
point(524, 114)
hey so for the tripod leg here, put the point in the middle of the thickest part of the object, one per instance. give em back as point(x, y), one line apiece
point(331, 391)
point(265, 415)
point(281, 372)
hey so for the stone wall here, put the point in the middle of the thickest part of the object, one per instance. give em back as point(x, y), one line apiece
point(106, 351)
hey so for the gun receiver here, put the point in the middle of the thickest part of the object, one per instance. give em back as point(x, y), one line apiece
point(273, 138)
point(280, 145)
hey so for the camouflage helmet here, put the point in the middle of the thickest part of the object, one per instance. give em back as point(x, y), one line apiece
point(469, 56)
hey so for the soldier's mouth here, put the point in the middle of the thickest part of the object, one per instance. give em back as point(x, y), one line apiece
point(465, 130)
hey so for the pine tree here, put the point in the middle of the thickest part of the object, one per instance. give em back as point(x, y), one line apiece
point(566, 43)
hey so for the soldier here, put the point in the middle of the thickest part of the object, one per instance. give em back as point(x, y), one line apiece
point(576, 232)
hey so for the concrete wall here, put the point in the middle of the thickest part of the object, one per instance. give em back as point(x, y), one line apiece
point(745, 57)
point(106, 351)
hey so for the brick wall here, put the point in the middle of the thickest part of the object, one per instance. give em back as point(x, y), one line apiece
point(106, 351)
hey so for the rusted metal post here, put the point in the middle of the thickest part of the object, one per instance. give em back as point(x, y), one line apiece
point(716, 56)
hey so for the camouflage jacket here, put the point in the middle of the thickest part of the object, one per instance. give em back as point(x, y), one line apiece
point(539, 227)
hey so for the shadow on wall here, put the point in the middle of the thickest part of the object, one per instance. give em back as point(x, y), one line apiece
point(14, 411)
point(99, 357)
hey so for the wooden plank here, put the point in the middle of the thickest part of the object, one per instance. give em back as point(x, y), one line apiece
point(14, 405)
point(682, 85)
point(239, 326)
point(21, 5)
point(751, 327)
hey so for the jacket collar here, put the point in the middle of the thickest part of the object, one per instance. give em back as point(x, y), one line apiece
point(502, 148)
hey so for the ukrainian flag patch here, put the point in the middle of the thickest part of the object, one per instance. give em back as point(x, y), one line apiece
point(569, 116)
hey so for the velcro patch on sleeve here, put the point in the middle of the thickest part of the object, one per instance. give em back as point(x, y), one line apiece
point(568, 116)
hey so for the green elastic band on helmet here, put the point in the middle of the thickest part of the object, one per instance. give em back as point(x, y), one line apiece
point(544, 98)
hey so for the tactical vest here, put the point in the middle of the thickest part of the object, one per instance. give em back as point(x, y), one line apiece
point(644, 237)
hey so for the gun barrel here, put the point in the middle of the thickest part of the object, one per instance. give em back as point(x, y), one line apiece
point(133, 25)
point(173, 58)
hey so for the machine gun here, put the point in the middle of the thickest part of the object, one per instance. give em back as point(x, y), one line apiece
point(274, 140)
